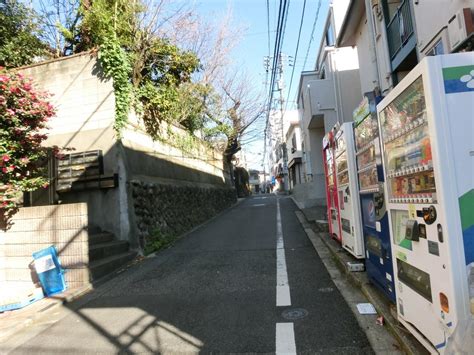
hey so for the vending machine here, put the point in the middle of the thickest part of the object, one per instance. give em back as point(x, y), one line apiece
point(378, 249)
point(427, 129)
point(348, 191)
point(334, 220)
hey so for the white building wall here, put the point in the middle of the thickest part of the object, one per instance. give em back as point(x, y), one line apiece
point(431, 21)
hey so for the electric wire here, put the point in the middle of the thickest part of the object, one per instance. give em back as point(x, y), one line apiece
point(296, 55)
point(312, 34)
point(276, 51)
point(283, 10)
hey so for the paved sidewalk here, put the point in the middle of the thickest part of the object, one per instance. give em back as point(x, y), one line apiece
point(12, 322)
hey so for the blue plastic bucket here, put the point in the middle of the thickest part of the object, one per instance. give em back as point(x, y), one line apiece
point(49, 270)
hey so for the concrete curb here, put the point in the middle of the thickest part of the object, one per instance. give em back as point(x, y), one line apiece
point(407, 342)
point(300, 206)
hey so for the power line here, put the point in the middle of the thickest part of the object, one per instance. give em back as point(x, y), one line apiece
point(312, 34)
point(266, 81)
point(268, 25)
point(296, 54)
point(284, 25)
point(282, 11)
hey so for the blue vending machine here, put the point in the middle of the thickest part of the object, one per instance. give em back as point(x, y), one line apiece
point(378, 251)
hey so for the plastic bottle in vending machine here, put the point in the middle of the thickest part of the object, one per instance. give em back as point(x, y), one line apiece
point(426, 151)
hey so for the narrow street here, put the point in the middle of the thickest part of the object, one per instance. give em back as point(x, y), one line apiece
point(223, 288)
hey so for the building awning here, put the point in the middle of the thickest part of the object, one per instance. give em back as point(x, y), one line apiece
point(294, 161)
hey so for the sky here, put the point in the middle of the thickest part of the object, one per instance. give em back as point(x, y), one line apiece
point(253, 47)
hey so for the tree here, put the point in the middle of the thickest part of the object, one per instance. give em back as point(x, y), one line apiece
point(59, 22)
point(169, 64)
point(232, 105)
point(19, 35)
point(149, 71)
point(24, 113)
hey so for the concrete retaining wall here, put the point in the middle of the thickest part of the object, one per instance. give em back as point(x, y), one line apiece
point(35, 228)
point(310, 194)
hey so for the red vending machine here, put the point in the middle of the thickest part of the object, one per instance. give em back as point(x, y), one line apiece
point(334, 219)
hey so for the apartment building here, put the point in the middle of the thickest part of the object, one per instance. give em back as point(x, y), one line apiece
point(392, 36)
point(294, 149)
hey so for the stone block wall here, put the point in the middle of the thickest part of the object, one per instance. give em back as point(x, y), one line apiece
point(36, 228)
point(169, 209)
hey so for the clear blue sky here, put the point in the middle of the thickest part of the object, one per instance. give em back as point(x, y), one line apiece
point(252, 15)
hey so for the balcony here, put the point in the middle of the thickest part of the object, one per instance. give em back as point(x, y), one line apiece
point(400, 34)
point(321, 101)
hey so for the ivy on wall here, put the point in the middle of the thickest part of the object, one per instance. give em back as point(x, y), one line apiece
point(116, 65)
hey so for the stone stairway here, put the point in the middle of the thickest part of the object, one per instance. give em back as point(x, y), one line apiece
point(107, 254)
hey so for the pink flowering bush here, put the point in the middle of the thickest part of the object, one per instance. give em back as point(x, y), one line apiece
point(24, 113)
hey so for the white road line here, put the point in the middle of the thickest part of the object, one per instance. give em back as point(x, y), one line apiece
point(285, 339)
point(282, 287)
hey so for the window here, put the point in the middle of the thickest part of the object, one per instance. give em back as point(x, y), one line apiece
point(293, 143)
point(437, 49)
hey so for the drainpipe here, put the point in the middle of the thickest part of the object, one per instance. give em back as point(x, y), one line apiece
point(336, 84)
point(372, 42)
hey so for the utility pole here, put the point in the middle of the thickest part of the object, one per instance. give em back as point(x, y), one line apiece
point(283, 140)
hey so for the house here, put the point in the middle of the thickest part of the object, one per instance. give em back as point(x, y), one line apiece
point(327, 95)
point(294, 149)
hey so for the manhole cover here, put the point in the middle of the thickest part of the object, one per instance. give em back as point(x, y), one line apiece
point(326, 289)
point(294, 314)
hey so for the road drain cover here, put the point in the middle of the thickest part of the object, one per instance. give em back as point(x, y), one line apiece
point(294, 314)
point(326, 289)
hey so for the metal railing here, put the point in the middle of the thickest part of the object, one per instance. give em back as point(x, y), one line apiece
point(400, 28)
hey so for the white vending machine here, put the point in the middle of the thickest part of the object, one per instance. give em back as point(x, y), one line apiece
point(427, 129)
point(348, 191)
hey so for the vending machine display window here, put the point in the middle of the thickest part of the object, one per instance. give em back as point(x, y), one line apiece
point(368, 178)
point(329, 160)
point(340, 145)
point(341, 162)
point(365, 133)
point(343, 178)
point(403, 113)
point(408, 158)
point(366, 157)
point(399, 223)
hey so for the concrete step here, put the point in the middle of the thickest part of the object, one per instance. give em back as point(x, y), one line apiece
point(103, 250)
point(106, 265)
point(102, 237)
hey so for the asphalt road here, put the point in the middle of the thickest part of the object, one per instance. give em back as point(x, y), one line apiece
point(215, 291)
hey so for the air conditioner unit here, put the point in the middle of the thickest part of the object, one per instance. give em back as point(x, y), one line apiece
point(460, 27)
